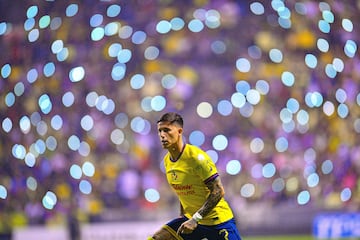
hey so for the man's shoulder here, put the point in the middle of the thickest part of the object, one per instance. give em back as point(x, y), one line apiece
point(196, 152)
point(193, 149)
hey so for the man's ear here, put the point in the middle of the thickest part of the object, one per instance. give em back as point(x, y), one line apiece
point(180, 130)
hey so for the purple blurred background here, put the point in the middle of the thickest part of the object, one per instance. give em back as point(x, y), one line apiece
point(270, 89)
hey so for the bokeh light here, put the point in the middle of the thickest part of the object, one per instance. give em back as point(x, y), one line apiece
point(3, 192)
point(247, 190)
point(233, 167)
point(49, 200)
point(303, 197)
point(197, 138)
point(85, 187)
point(152, 195)
point(220, 142)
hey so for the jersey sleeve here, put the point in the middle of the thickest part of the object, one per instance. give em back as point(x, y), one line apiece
point(205, 167)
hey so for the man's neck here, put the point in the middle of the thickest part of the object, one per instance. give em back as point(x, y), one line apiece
point(175, 151)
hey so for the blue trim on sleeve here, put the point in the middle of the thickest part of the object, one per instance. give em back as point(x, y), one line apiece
point(212, 178)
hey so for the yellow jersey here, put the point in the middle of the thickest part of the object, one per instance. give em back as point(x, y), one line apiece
point(188, 176)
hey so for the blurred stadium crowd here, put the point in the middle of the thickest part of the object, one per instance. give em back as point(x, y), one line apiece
point(269, 88)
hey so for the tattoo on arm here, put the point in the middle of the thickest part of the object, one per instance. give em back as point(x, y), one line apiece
point(216, 193)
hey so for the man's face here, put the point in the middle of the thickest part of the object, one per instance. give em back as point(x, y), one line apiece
point(169, 134)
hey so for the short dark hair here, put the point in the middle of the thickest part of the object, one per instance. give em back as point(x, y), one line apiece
point(172, 117)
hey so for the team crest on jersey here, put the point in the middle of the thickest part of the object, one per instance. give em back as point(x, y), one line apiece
point(174, 176)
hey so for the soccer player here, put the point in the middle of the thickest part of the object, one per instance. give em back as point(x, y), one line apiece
point(204, 213)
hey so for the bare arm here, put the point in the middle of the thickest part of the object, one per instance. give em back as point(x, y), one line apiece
point(216, 193)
